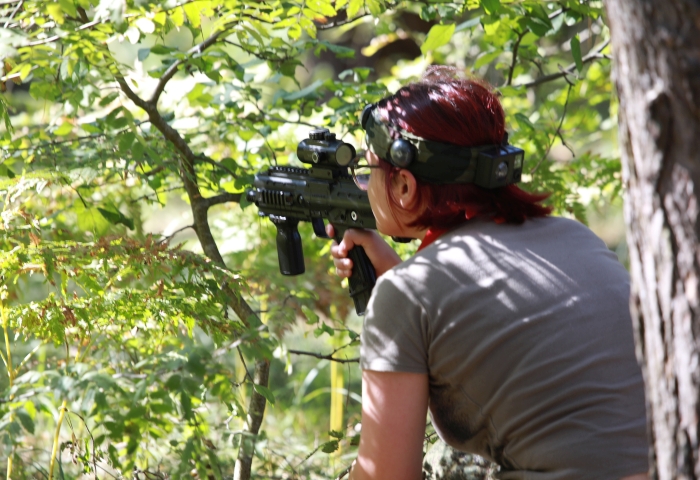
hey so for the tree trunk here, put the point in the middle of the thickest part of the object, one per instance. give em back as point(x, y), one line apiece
point(656, 51)
point(256, 410)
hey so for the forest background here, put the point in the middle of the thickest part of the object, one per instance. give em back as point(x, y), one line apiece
point(146, 325)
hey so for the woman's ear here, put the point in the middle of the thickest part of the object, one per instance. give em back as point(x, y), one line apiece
point(405, 189)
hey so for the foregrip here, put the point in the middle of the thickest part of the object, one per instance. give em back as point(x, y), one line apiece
point(289, 252)
point(363, 277)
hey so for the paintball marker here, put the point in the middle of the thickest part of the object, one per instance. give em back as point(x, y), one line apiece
point(326, 191)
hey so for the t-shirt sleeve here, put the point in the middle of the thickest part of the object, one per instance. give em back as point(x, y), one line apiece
point(395, 333)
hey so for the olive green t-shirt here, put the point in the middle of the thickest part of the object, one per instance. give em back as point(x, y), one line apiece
point(525, 334)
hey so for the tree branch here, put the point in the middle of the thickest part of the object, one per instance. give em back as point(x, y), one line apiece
point(595, 54)
point(58, 37)
point(256, 54)
point(14, 12)
point(222, 198)
point(79, 138)
point(552, 16)
point(217, 165)
point(339, 23)
point(172, 69)
point(155, 194)
point(170, 237)
point(344, 472)
point(515, 56)
point(557, 133)
point(325, 357)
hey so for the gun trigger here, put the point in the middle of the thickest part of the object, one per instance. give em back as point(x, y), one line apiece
point(319, 227)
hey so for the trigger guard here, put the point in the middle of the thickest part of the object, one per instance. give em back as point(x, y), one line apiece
point(319, 228)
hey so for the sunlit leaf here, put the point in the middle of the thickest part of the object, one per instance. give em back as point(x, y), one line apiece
point(438, 36)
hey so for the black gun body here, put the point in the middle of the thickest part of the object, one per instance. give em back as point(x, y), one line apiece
point(288, 195)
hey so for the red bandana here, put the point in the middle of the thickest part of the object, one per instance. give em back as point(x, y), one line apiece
point(431, 235)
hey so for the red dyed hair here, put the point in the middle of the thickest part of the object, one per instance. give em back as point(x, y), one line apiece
point(465, 112)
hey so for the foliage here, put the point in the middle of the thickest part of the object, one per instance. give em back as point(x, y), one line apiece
point(145, 357)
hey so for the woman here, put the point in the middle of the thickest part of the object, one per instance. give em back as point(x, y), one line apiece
point(511, 326)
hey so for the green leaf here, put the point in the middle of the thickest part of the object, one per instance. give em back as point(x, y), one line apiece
point(137, 151)
point(115, 217)
point(487, 58)
point(523, 121)
point(336, 434)
point(323, 329)
point(136, 412)
point(90, 284)
point(265, 392)
point(437, 36)
point(25, 420)
point(491, 6)
point(538, 26)
point(143, 54)
point(90, 219)
point(576, 52)
point(68, 7)
point(471, 23)
point(186, 404)
point(6, 171)
point(330, 447)
point(106, 101)
point(304, 92)
point(125, 141)
point(311, 316)
point(160, 49)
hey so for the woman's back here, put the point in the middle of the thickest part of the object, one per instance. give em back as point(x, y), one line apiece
point(525, 333)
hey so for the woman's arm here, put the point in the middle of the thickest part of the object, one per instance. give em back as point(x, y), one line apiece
point(394, 410)
point(380, 253)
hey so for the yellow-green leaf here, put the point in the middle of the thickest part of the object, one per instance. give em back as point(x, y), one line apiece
point(353, 7)
point(374, 6)
point(54, 10)
point(323, 7)
point(192, 10)
point(438, 36)
point(24, 71)
point(294, 31)
point(160, 18)
point(64, 129)
point(178, 16)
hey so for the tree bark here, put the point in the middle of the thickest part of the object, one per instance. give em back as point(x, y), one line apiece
point(656, 51)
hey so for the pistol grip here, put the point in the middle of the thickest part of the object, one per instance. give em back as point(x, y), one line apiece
point(363, 277)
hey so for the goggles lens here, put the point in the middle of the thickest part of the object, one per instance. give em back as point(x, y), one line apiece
point(361, 176)
point(361, 170)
